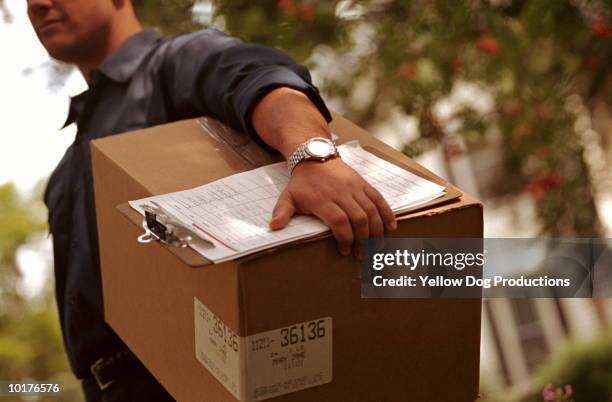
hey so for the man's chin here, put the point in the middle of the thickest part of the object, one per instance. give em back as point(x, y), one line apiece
point(61, 49)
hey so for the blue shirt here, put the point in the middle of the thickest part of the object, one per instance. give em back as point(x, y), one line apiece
point(149, 80)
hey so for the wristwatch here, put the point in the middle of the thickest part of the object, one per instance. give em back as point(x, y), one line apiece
point(317, 149)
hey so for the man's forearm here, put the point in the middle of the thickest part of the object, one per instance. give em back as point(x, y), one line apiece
point(285, 118)
point(331, 191)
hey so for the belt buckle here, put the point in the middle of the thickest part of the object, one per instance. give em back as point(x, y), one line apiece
point(94, 370)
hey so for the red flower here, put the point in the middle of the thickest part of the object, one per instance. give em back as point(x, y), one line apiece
point(307, 12)
point(488, 44)
point(543, 184)
point(457, 64)
point(522, 130)
point(537, 192)
point(589, 62)
point(287, 6)
point(551, 180)
point(542, 152)
point(513, 107)
point(406, 71)
point(601, 29)
point(541, 111)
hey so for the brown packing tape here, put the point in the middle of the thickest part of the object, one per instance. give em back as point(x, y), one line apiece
point(236, 143)
point(205, 156)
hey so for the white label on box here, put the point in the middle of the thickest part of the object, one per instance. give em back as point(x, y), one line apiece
point(219, 349)
point(267, 364)
point(289, 359)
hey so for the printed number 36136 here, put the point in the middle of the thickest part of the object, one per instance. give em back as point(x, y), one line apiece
point(302, 332)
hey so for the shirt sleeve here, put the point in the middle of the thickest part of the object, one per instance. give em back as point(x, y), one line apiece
point(209, 72)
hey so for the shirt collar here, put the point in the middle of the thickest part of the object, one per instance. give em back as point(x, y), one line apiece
point(77, 104)
point(119, 67)
point(123, 63)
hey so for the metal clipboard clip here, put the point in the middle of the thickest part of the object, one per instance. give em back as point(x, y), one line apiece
point(161, 226)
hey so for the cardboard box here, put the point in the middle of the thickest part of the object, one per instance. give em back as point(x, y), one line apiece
point(287, 323)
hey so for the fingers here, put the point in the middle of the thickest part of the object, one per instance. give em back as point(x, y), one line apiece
point(375, 222)
point(283, 211)
point(336, 218)
point(352, 208)
point(383, 208)
point(377, 228)
point(360, 221)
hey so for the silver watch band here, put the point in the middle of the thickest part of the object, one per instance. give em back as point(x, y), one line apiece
point(296, 157)
point(301, 154)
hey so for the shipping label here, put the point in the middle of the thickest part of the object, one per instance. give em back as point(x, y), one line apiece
point(268, 364)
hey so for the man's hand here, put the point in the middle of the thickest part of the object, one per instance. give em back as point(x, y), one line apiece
point(341, 198)
point(332, 190)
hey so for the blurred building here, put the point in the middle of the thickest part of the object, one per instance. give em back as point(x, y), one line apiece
point(518, 335)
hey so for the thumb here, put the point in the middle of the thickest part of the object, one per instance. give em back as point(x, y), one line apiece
point(283, 211)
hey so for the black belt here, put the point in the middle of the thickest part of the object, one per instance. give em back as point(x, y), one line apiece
point(111, 368)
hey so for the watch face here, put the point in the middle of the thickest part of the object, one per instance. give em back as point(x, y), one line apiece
point(319, 148)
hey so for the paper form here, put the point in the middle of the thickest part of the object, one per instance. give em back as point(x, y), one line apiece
point(234, 212)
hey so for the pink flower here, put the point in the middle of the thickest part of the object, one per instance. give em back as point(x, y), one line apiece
point(569, 390)
point(548, 393)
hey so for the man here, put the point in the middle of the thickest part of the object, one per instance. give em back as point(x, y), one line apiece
point(137, 79)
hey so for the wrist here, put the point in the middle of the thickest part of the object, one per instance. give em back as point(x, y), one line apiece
point(292, 141)
point(286, 118)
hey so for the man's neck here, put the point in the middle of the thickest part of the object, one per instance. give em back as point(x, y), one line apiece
point(118, 33)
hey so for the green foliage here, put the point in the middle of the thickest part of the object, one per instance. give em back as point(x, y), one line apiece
point(587, 366)
point(296, 27)
point(167, 16)
point(25, 343)
point(19, 220)
point(30, 338)
point(31, 348)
